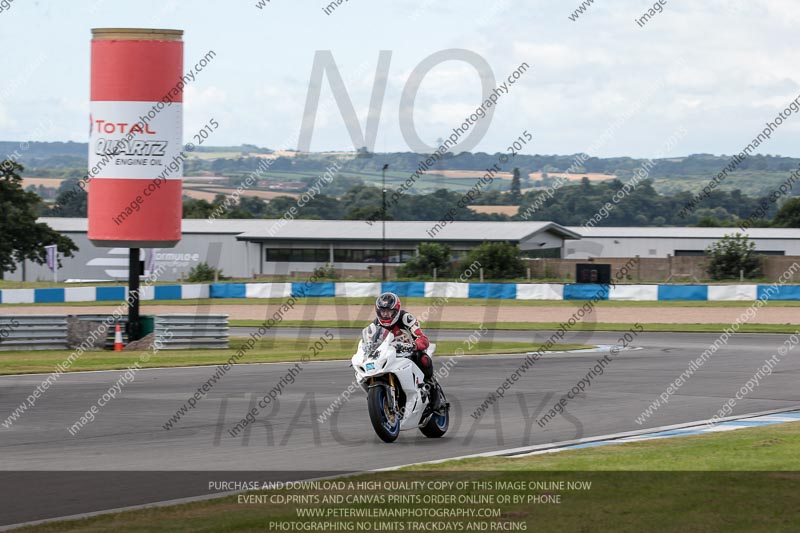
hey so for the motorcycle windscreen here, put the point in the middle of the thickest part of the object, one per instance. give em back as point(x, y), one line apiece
point(373, 336)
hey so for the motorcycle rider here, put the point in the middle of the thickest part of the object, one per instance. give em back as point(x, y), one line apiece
point(391, 316)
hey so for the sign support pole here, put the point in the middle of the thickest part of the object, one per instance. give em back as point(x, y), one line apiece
point(134, 324)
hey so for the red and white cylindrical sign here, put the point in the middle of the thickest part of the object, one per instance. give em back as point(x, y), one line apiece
point(135, 145)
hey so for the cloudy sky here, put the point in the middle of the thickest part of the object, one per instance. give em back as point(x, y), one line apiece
point(718, 69)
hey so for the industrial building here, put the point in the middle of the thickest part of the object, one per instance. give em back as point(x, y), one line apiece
point(661, 242)
point(247, 248)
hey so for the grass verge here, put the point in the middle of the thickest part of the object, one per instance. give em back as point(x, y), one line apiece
point(543, 326)
point(415, 301)
point(739, 481)
point(266, 351)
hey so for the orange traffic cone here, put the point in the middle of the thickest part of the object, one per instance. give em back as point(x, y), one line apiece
point(118, 347)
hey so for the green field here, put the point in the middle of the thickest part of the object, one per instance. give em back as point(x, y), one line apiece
point(739, 481)
point(293, 176)
point(429, 182)
point(210, 156)
point(751, 183)
point(475, 302)
point(545, 326)
point(266, 351)
point(207, 305)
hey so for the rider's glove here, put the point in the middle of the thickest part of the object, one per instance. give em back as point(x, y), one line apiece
point(420, 344)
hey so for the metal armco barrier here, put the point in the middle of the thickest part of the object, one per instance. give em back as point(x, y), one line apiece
point(33, 332)
point(192, 331)
point(50, 332)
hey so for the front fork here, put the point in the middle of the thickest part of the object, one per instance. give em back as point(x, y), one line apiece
point(397, 408)
point(393, 392)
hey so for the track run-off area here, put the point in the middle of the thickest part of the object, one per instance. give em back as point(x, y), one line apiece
point(299, 435)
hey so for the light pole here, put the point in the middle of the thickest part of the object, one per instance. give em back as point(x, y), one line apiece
point(383, 223)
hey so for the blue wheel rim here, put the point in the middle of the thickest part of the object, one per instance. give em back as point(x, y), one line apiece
point(393, 429)
point(441, 421)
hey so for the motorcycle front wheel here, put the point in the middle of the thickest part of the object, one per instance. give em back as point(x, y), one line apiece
point(382, 414)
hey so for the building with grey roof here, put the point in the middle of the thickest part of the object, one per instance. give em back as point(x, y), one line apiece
point(673, 241)
point(244, 248)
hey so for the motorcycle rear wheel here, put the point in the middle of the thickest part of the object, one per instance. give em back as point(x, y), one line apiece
point(437, 424)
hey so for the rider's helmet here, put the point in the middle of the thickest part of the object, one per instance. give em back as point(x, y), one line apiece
point(387, 308)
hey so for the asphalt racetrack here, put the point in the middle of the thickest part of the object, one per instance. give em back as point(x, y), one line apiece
point(289, 441)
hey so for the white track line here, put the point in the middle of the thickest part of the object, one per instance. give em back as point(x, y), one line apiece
point(614, 436)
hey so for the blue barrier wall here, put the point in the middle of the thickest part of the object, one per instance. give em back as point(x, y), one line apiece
point(313, 290)
point(110, 294)
point(42, 296)
point(167, 292)
point(585, 291)
point(227, 290)
point(683, 292)
point(785, 292)
point(502, 291)
point(404, 288)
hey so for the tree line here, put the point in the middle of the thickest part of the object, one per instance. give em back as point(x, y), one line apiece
point(570, 205)
point(44, 156)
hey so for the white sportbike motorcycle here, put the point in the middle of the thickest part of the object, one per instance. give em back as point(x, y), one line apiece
point(397, 397)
